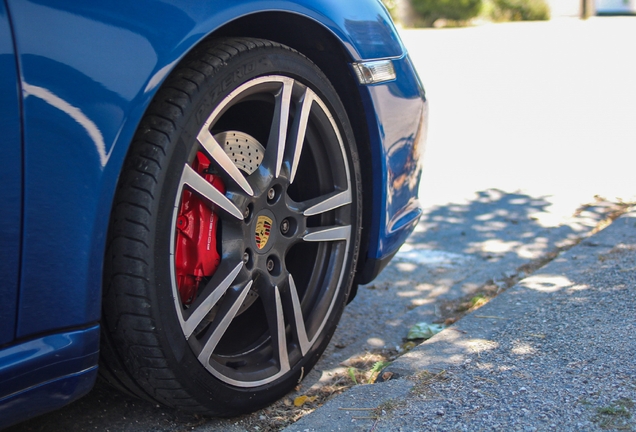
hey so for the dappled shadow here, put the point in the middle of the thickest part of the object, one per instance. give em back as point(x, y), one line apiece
point(496, 237)
point(489, 242)
point(493, 226)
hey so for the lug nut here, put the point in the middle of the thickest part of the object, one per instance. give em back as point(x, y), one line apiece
point(246, 257)
point(246, 213)
point(271, 194)
point(284, 226)
point(270, 265)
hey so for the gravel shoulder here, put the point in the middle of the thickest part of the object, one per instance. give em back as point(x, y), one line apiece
point(555, 352)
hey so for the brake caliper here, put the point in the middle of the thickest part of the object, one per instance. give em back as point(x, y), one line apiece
point(197, 256)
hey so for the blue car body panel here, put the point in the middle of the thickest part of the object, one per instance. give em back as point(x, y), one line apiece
point(46, 373)
point(10, 181)
point(86, 72)
point(400, 139)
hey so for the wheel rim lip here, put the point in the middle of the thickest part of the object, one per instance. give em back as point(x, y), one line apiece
point(245, 90)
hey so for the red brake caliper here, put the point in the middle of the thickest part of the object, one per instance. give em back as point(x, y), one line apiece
point(196, 252)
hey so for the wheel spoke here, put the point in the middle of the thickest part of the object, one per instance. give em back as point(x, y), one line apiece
point(221, 324)
point(298, 130)
point(326, 203)
point(301, 331)
point(216, 152)
point(281, 339)
point(210, 296)
point(200, 185)
point(328, 234)
point(276, 322)
point(278, 131)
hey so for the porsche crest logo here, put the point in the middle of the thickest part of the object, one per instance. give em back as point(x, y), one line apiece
point(261, 233)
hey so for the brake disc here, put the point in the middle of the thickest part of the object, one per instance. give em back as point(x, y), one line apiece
point(244, 150)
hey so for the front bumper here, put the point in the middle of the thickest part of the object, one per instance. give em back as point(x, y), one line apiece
point(397, 115)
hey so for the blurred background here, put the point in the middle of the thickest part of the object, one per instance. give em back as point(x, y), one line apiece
point(525, 96)
point(442, 13)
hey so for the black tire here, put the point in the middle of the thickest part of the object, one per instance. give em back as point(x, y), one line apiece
point(236, 338)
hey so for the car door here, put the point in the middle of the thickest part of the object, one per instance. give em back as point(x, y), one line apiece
point(10, 181)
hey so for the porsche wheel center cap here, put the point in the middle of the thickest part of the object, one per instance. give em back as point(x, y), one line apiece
point(263, 231)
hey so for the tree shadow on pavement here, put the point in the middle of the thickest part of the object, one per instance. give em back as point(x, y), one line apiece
point(496, 225)
point(493, 236)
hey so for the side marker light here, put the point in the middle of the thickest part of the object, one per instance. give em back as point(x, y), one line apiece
point(374, 72)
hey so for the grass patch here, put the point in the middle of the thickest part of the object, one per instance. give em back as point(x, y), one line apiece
point(615, 416)
point(478, 301)
point(519, 10)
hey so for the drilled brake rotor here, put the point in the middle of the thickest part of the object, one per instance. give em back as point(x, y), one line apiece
point(244, 150)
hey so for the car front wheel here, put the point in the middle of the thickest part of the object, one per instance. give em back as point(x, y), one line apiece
point(234, 232)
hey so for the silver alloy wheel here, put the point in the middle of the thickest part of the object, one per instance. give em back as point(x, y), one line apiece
point(264, 308)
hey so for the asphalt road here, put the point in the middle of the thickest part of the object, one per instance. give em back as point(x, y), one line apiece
point(529, 122)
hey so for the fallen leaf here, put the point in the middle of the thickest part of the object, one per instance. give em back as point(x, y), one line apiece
point(301, 400)
point(408, 346)
point(424, 331)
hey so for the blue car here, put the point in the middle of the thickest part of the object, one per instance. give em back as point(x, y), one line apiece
point(191, 192)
